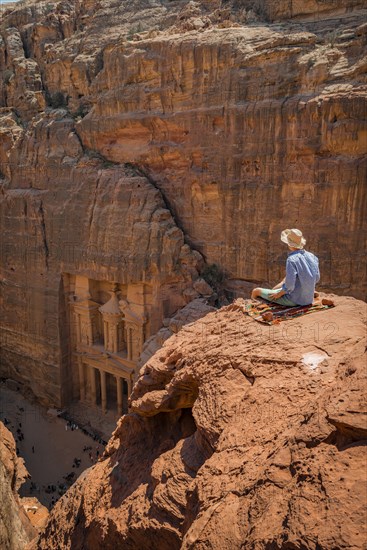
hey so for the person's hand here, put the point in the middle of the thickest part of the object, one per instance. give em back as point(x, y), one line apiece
point(277, 295)
point(279, 285)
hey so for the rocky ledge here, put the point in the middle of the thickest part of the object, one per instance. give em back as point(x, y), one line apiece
point(241, 435)
point(16, 530)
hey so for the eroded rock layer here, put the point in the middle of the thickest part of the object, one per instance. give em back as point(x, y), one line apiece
point(15, 528)
point(137, 137)
point(241, 436)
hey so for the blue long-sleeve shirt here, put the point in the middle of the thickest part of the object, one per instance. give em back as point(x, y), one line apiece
point(302, 274)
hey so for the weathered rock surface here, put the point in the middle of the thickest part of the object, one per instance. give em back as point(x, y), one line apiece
point(136, 137)
point(246, 130)
point(281, 9)
point(71, 212)
point(193, 311)
point(16, 529)
point(236, 440)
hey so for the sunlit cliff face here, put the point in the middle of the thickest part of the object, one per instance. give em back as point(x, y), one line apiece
point(141, 144)
point(124, 162)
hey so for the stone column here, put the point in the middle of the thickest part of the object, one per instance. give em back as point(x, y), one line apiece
point(90, 332)
point(130, 337)
point(112, 318)
point(103, 390)
point(81, 379)
point(114, 338)
point(93, 385)
point(105, 334)
point(119, 395)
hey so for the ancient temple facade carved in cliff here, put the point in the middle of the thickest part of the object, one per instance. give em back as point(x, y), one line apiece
point(109, 323)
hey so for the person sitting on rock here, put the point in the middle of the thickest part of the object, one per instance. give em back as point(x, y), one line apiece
point(302, 274)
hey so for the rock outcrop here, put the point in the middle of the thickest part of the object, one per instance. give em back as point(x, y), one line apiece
point(241, 436)
point(16, 529)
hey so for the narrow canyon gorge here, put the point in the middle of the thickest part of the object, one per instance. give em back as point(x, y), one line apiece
point(152, 152)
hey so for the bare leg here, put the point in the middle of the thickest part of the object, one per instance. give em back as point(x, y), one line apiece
point(255, 293)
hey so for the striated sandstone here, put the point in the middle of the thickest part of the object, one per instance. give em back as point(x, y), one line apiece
point(140, 140)
point(258, 129)
point(193, 311)
point(274, 10)
point(234, 442)
point(234, 117)
point(16, 530)
point(97, 219)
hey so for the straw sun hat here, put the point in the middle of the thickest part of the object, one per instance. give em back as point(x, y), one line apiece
point(293, 238)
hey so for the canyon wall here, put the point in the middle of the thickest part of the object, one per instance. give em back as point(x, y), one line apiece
point(246, 131)
point(241, 435)
point(273, 10)
point(105, 223)
point(138, 140)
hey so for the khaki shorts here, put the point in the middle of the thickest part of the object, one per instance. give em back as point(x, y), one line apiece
point(267, 293)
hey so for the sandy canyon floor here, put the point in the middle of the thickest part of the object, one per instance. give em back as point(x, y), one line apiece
point(49, 445)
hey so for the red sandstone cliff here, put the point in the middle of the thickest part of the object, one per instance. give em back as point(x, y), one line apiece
point(236, 440)
point(137, 141)
point(16, 529)
point(137, 137)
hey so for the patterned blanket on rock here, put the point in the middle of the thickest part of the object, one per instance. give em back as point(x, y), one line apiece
point(272, 314)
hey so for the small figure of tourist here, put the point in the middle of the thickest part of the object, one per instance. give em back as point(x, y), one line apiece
point(32, 448)
point(302, 274)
